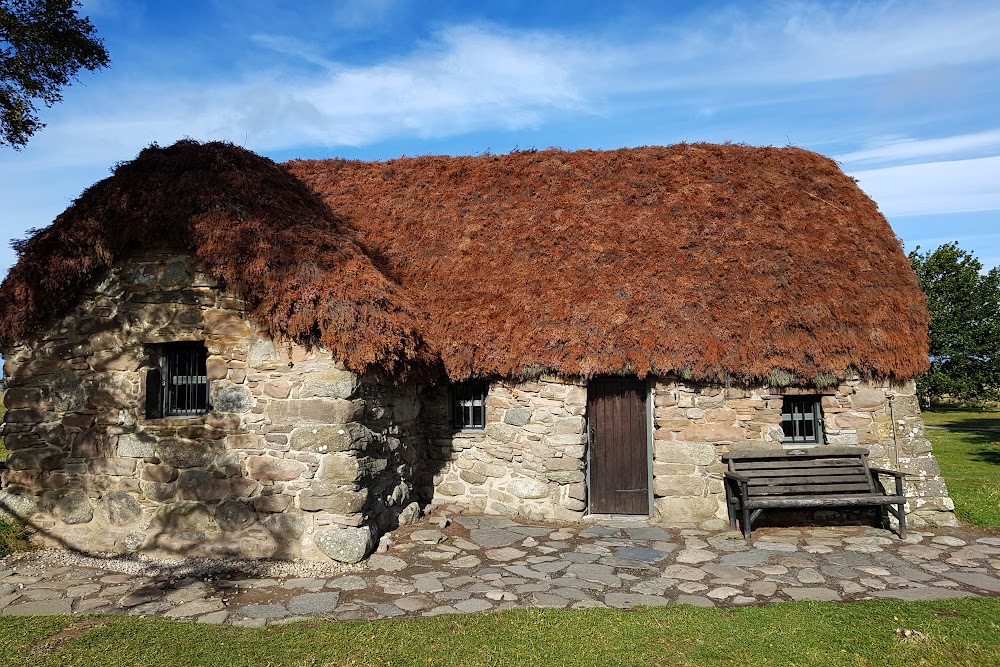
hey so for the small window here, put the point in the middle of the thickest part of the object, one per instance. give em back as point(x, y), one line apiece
point(802, 419)
point(468, 404)
point(177, 385)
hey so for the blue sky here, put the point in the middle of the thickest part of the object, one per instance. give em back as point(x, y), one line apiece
point(904, 94)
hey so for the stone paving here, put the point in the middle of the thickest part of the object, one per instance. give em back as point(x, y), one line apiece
point(481, 563)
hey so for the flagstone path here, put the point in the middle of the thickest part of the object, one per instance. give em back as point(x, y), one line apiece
point(481, 563)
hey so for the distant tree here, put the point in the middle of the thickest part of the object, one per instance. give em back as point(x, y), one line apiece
point(965, 325)
point(43, 44)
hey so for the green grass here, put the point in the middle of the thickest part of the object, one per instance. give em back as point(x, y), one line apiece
point(969, 460)
point(970, 464)
point(954, 633)
point(962, 416)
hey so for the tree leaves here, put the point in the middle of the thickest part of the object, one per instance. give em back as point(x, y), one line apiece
point(43, 44)
point(964, 304)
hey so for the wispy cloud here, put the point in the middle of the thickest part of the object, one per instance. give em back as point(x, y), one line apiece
point(934, 187)
point(898, 149)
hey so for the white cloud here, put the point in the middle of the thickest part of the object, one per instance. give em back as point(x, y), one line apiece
point(934, 187)
point(896, 149)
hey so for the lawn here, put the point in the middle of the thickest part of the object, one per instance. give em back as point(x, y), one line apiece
point(970, 462)
point(953, 633)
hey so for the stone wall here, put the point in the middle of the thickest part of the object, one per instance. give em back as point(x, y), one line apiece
point(298, 458)
point(695, 424)
point(530, 459)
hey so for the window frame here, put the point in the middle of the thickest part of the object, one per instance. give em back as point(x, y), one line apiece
point(176, 365)
point(802, 409)
point(463, 398)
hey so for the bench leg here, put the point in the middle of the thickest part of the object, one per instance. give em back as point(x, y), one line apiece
point(902, 521)
point(729, 504)
point(746, 522)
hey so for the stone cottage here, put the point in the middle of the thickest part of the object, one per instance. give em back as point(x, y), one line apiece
point(211, 354)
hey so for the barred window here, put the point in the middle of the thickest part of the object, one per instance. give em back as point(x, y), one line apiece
point(468, 404)
point(802, 419)
point(177, 385)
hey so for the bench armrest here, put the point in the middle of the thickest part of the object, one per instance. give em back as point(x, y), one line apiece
point(886, 471)
point(736, 476)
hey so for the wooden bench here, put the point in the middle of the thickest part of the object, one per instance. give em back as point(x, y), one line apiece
point(808, 477)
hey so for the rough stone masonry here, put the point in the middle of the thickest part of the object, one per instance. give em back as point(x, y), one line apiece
point(302, 459)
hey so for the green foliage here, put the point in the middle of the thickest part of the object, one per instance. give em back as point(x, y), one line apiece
point(951, 633)
point(43, 44)
point(965, 325)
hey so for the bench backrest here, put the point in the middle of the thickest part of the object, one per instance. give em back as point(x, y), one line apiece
point(820, 470)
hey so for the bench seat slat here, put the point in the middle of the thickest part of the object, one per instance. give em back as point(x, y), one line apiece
point(777, 502)
point(810, 480)
point(817, 473)
point(809, 488)
point(796, 462)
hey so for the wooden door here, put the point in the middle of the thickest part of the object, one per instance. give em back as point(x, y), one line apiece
point(619, 460)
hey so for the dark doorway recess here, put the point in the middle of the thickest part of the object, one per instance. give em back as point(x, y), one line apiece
point(619, 458)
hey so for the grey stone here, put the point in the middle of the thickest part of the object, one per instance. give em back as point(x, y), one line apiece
point(216, 617)
point(326, 439)
point(982, 581)
point(120, 508)
point(329, 384)
point(350, 582)
point(16, 506)
point(195, 608)
point(646, 533)
point(39, 608)
point(524, 487)
point(233, 515)
point(230, 398)
point(577, 557)
point(181, 453)
point(139, 597)
point(427, 536)
point(335, 499)
point(386, 563)
point(346, 545)
point(600, 531)
point(641, 554)
point(473, 605)
point(491, 538)
point(136, 446)
point(69, 505)
point(388, 610)
point(286, 527)
point(744, 558)
point(263, 611)
point(184, 518)
point(517, 416)
point(314, 603)
point(783, 547)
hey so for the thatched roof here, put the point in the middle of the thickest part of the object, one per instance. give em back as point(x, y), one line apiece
point(254, 226)
point(717, 261)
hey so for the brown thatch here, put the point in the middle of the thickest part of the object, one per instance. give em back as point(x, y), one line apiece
point(256, 228)
point(716, 261)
